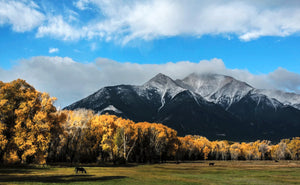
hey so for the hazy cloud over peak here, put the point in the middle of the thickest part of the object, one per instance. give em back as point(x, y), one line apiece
point(285, 79)
point(69, 80)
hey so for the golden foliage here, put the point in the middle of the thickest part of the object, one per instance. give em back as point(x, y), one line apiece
point(31, 130)
point(27, 117)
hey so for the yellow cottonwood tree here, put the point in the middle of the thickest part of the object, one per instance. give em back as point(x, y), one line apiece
point(156, 140)
point(280, 151)
point(235, 151)
point(96, 136)
point(294, 148)
point(29, 119)
point(3, 140)
point(76, 139)
point(126, 136)
point(108, 143)
point(264, 149)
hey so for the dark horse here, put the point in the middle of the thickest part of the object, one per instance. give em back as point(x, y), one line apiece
point(80, 169)
point(211, 164)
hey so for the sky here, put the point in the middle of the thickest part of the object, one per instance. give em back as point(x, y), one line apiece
point(71, 48)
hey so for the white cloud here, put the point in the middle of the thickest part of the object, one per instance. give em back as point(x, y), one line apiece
point(58, 28)
point(81, 4)
point(128, 20)
point(21, 15)
point(285, 79)
point(124, 21)
point(70, 81)
point(71, 15)
point(93, 46)
point(53, 50)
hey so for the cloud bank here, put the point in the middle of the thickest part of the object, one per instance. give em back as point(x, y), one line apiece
point(124, 21)
point(70, 81)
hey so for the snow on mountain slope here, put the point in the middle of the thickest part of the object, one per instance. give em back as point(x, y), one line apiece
point(220, 89)
point(161, 84)
point(207, 104)
point(286, 98)
point(225, 90)
point(111, 108)
point(263, 99)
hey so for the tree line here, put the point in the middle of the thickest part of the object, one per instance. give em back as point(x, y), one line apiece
point(33, 131)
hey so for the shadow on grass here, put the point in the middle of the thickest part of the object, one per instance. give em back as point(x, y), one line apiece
point(58, 179)
point(92, 165)
point(20, 169)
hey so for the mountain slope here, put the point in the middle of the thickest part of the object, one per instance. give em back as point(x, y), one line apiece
point(268, 117)
point(225, 90)
point(216, 106)
point(291, 99)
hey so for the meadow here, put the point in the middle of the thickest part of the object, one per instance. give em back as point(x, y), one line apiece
point(198, 172)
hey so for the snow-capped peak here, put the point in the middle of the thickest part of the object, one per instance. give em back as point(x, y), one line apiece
point(217, 88)
point(285, 98)
point(163, 84)
point(161, 81)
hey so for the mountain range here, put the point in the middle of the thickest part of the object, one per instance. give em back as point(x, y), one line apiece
point(212, 105)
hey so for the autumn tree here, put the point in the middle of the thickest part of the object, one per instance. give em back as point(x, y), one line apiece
point(143, 151)
point(281, 150)
point(294, 148)
point(75, 142)
point(188, 149)
point(28, 120)
point(155, 142)
point(264, 149)
point(108, 142)
point(205, 147)
point(96, 136)
point(3, 139)
point(195, 147)
point(164, 139)
point(58, 136)
point(126, 137)
point(235, 151)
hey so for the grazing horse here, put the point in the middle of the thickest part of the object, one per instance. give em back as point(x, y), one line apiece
point(211, 164)
point(80, 169)
point(276, 161)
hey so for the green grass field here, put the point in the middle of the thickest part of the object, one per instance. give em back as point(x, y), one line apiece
point(224, 172)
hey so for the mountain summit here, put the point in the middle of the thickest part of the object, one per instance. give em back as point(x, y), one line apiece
point(212, 105)
point(220, 89)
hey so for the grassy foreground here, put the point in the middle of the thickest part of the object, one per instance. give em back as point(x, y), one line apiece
point(224, 172)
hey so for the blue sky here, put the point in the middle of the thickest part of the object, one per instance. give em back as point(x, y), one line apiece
point(263, 55)
point(257, 38)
